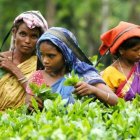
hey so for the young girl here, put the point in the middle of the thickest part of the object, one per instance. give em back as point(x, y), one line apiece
point(122, 76)
point(55, 50)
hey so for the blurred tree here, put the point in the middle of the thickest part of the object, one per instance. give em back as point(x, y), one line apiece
point(10, 9)
point(87, 19)
point(50, 12)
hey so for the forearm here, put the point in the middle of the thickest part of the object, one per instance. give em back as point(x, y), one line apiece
point(20, 77)
point(105, 94)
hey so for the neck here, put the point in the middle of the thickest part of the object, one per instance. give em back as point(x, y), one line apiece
point(19, 57)
point(124, 67)
point(57, 74)
point(125, 63)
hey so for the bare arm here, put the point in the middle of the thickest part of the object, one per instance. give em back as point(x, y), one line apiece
point(100, 90)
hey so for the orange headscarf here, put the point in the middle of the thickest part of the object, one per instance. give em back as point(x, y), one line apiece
point(112, 39)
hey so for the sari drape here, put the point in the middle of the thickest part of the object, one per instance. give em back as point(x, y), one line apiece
point(12, 94)
point(131, 86)
point(124, 87)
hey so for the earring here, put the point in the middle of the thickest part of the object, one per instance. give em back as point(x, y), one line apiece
point(121, 53)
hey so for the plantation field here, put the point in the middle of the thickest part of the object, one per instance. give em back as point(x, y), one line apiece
point(84, 120)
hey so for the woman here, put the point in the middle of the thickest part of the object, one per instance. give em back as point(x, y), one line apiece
point(122, 76)
point(55, 49)
point(20, 61)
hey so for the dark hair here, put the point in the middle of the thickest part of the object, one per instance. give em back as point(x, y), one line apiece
point(130, 43)
point(19, 22)
point(127, 44)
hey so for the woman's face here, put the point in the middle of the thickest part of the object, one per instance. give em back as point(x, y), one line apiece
point(132, 54)
point(52, 59)
point(25, 38)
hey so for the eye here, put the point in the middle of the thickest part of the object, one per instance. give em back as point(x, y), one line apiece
point(22, 34)
point(135, 50)
point(35, 36)
point(51, 55)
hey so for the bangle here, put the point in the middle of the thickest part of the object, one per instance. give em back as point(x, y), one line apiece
point(107, 97)
point(23, 81)
point(20, 79)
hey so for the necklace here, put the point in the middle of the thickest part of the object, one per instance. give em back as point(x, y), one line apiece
point(128, 83)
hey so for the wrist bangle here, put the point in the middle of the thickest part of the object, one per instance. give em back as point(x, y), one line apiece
point(23, 81)
point(107, 97)
point(20, 79)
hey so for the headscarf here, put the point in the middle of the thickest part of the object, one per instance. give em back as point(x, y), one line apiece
point(32, 19)
point(64, 39)
point(112, 39)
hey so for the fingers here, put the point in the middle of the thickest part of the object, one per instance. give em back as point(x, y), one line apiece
point(28, 101)
point(6, 63)
point(83, 88)
point(4, 57)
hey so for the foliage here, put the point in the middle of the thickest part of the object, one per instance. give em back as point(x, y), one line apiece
point(43, 91)
point(72, 79)
point(82, 120)
point(83, 18)
point(94, 59)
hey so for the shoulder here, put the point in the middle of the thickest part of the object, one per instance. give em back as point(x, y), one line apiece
point(111, 71)
point(92, 77)
point(108, 70)
point(112, 77)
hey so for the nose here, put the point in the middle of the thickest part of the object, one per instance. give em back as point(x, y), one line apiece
point(45, 60)
point(27, 39)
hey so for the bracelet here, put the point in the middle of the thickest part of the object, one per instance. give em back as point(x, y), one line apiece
point(20, 79)
point(107, 97)
point(23, 81)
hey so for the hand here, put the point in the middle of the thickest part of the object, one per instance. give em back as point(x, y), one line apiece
point(83, 88)
point(6, 63)
point(28, 101)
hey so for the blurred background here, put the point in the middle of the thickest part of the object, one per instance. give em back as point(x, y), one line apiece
point(87, 19)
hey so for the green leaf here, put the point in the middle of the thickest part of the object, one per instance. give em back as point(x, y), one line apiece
point(34, 104)
point(72, 79)
point(43, 91)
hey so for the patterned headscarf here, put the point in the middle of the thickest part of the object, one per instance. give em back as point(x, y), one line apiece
point(64, 39)
point(32, 19)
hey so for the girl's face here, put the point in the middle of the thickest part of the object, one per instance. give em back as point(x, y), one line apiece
point(25, 38)
point(52, 59)
point(132, 55)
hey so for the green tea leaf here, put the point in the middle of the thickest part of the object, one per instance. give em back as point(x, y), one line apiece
point(43, 91)
point(72, 79)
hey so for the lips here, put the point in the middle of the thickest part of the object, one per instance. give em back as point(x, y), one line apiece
point(26, 47)
point(47, 67)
